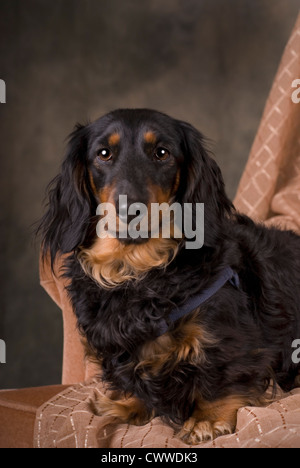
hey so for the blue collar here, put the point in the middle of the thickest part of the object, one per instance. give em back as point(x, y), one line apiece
point(191, 304)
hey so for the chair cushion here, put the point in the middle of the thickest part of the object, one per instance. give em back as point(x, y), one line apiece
point(17, 414)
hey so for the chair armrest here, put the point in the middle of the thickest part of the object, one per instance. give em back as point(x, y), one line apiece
point(18, 411)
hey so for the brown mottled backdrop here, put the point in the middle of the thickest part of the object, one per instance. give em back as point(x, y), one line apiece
point(211, 62)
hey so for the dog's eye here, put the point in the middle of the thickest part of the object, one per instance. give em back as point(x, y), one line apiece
point(162, 154)
point(104, 154)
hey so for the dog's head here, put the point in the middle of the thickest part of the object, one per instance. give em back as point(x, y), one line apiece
point(143, 155)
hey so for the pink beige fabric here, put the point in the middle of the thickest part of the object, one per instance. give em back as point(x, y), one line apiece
point(67, 421)
point(269, 192)
point(76, 368)
point(269, 189)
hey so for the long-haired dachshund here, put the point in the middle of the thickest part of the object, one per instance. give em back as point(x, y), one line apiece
point(189, 335)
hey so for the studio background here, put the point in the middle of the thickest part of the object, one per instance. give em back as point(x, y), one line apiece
point(209, 62)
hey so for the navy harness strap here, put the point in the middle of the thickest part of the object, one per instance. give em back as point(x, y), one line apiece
point(195, 301)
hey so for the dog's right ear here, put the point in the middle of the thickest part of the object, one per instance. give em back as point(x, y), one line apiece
point(70, 201)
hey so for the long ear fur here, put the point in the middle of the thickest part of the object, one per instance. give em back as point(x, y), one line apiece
point(203, 181)
point(64, 226)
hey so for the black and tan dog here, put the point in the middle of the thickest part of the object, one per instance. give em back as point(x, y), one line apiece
point(187, 335)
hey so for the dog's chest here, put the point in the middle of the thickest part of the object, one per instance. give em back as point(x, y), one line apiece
point(122, 319)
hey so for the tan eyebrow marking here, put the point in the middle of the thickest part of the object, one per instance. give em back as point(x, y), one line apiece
point(114, 139)
point(150, 137)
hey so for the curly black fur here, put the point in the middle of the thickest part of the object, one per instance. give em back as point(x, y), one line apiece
point(253, 326)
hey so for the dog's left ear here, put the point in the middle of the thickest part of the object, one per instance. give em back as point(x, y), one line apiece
point(203, 179)
point(70, 202)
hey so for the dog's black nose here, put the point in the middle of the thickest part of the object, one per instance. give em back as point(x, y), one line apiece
point(128, 210)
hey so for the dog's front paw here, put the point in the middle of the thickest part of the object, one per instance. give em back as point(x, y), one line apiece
point(194, 432)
